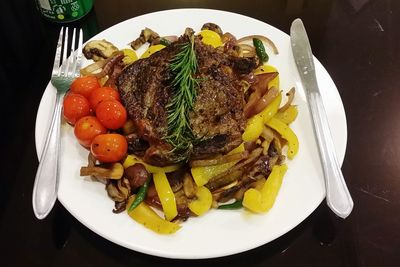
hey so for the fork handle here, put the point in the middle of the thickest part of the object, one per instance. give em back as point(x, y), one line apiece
point(47, 175)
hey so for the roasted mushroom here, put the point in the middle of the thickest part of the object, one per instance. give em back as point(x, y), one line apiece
point(147, 35)
point(136, 175)
point(114, 193)
point(113, 171)
point(212, 27)
point(99, 49)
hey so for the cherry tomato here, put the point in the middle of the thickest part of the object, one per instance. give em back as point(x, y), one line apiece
point(75, 106)
point(109, 147)
point(87, 128)
point(111, 114)
point(84, 85)
point(101, 94)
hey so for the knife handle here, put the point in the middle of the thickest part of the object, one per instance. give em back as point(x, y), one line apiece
point(337, 195)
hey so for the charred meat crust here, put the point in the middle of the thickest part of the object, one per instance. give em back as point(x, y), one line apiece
point(217, 118)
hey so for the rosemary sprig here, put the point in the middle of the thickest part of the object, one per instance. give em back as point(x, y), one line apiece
point(183, 65)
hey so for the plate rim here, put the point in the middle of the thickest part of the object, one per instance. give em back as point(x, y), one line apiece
point(155, 252)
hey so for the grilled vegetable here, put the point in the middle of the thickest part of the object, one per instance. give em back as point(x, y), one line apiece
point(286, 134)
point(84, 85)
point(129, 56)
point(109, 147)
point(253, 129)
point(146, 35)
point(166, 195)
point(287, 116)
point(75, 106)
point(263, 200)
point(151, 50)
point(164, 42)
point(271, 109)
point(115, 171)
point(132, 159)
point(87, 128)
point(189, 186)
point(99, 49)
point(137, 175)
point(140, 195)
point(268, 69)
point(289, 101)
point(212, 27)
point(260, 50)
point(202, 175)
point(211, 38)
point(203, 202)
point(144, 215)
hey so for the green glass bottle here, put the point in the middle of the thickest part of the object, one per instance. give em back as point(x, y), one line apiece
point(64, 10)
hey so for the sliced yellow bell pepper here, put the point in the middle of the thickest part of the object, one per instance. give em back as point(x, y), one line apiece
point(287, 134)
point(287, 116)
point(129, 56)
point(147, 217)
point(267, 69)
point(132, 159)
point(202, 175)
point(203, 202)
point(253, 129)
point(151, 50)
point(211, 38)
point(271, 109)
point(262, 200)
point(166, 195)
point(255, 124)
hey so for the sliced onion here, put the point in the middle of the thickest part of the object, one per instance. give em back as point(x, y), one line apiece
point(247, 50)
point(264, 101)
point(259, 88)
point(219, 160)
point(219, 190)
point(254, 97)
point(104, 66)
point(245, 85)
point(267, 134)
point(247, 47)
point(250, 78)
point(262, 38)
point(89, 70)
point(249, 54)
point(263, 79)
point(109, 66)
point(290, 96)
point(171, 38)
point(228, 37)
point(112, 78)
point(103, 80)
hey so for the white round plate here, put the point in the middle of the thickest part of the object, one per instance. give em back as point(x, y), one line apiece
point(217, 233)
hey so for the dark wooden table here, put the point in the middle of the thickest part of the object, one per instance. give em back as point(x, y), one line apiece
point(358, 43)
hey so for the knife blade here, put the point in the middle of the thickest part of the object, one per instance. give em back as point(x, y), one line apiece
point(337, 194)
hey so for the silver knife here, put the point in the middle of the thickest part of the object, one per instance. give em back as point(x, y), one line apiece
point(337, 195)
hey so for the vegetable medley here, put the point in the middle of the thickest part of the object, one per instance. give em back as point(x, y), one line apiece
point(249, 176)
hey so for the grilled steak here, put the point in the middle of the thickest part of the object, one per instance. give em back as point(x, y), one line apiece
point(217, 118)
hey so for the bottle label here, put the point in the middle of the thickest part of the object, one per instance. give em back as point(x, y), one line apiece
point(64, 10)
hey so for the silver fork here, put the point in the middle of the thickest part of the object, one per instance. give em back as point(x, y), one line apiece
point(47, 175)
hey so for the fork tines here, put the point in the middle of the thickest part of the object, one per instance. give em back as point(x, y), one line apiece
point(70, 67)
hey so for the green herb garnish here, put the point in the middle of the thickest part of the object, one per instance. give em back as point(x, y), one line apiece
point(184, 67)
